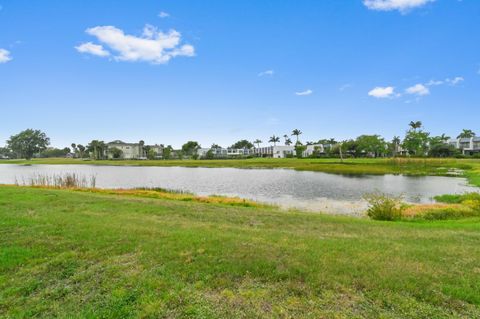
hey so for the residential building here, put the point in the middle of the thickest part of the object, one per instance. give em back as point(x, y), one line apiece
point(468, 146)
point(225, 152)
point(132, 150)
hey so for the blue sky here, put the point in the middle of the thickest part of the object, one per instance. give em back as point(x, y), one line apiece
point(219, 71)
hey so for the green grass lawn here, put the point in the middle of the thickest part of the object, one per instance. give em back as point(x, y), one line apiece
point(410, 166)
point(90, 255)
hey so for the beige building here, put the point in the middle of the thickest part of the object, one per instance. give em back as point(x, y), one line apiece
point(132, 150)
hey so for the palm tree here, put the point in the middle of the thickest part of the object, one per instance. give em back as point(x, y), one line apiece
point(140, 149)
point(257, 141)
point(396, 143)
point(297, 133)
point(466, 134)
point(274, 139)
point(74, 148)
point(288, 142)
point(415, 125)
point(81, 149)
point(444, 138)
point(97, 148)
point(332, 141)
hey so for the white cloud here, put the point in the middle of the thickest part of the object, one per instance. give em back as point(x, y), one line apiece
point(163, 14)
point(5, 56)
point(267, 72)
point(455, 80)
point(434, 82)
point(92, 48)
point(382, 92)
point(304, 93)
point(400, 5)
point(152, 46)
point(418, 89)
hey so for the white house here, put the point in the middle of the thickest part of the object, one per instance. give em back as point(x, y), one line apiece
point(466, 145)
point(225, 152)
point(132, 150)
point(283, 151)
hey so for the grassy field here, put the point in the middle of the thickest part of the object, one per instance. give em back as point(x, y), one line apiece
point(410, 166)
point(70, 254)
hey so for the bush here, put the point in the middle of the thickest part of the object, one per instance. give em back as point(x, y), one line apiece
point(385, 207)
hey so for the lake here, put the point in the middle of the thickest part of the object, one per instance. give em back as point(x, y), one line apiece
point(313, 191)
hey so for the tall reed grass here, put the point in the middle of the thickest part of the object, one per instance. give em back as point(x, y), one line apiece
point(66, 180)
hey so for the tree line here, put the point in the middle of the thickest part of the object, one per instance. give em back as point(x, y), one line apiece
point(416, 142)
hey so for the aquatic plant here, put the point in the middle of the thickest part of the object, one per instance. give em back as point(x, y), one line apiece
point(66, 180)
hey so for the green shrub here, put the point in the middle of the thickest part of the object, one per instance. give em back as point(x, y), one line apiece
point(385, 207)
point(458, 199)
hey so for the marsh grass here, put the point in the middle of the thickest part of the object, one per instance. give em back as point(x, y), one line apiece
point(66, 180)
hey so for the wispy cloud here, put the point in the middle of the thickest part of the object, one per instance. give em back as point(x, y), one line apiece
point(380, 92)
point(151, 46)
point(163, 14)
point(94, 49)
point(345, 87)
point(418, 89)
point(449, 81)
point(5, 56)
point(389, 5)
point(304, 93)
point(267, 73)
point(455, 80)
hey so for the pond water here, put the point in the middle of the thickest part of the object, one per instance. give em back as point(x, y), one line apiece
point(314, 191)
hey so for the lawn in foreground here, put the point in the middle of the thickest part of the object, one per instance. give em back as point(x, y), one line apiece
point(74, 254)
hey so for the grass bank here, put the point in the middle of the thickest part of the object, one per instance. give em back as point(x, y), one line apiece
point(79, 254)
point(408, 166)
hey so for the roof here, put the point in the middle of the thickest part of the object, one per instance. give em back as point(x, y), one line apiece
point(118, 142)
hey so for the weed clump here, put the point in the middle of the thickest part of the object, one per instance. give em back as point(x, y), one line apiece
point(385, 207)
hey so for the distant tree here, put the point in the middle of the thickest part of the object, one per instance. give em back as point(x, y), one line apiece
point(438, 146)
point(242, 144)
point(297, 133)
point(55, 152)
point(74, 148)
point(209, 154)
point(6, 152)
point(396, 145)
point(373, 144)
point(415, 125)
point(190, 148)
point(116, 152)
point(466, 134)
point(167, 152)
point(141, 148)
point(288, 142)
point(215, 146)
point(81, 150)
point(257, 141)
point(97, 149)
point(416, 142)
point(28, 142)
point(274, 139)
point(151, 154)
point(299, 149)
